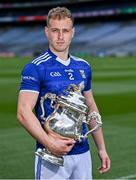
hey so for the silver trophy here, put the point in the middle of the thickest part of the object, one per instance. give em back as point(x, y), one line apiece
point(70, 111)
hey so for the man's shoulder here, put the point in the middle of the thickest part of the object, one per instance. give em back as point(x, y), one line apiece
point(39, 63)
point(42, 59)
point(80, 60)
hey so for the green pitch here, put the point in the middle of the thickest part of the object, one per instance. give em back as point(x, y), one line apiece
point(114, 86)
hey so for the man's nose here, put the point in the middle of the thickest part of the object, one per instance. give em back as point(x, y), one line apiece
point(60, 35)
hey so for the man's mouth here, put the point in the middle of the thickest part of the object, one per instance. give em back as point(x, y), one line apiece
point(60, 42)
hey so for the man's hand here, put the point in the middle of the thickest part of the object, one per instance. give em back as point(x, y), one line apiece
point(59, 145)
point(105, 161)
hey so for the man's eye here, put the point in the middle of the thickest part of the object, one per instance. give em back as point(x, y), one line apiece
point(65, 30)
point(54, 30)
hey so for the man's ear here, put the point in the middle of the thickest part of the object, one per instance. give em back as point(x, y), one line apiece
point(46, 31)
point(73, 32)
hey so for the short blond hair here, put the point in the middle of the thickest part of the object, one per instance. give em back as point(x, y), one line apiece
point(59, 13)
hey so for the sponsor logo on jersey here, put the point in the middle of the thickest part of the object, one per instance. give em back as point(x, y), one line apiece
point(55, 74)
point(69, 70)
point(28, 78)
point(82, 73)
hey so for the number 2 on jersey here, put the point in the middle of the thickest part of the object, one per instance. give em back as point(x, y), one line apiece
point(71, 76)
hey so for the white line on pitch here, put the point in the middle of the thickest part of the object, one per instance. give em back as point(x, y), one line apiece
point(127, 177)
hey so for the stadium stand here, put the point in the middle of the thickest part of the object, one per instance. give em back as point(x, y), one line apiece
point(22, 31)
point(116, 38)
point(109, 38)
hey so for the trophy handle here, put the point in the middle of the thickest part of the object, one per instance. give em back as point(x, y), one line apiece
point(91, 116)
point(50, 96)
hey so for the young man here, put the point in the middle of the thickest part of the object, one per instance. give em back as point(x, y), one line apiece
point(53, 72)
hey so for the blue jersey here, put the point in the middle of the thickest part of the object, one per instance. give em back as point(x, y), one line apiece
point(50, 74)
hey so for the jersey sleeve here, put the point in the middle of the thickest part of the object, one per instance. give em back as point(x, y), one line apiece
point(30, 80)
point(88, 79)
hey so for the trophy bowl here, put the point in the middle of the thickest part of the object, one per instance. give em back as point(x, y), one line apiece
point(70, 111)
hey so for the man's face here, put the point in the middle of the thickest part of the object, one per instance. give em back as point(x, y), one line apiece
point(59, 34)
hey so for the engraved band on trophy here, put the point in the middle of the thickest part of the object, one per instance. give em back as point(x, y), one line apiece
point(70, 111)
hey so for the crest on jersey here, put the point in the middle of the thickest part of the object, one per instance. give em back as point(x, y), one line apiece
point(81, 86)
point(82, 73)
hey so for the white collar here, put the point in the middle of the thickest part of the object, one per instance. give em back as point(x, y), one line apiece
point(66, 63)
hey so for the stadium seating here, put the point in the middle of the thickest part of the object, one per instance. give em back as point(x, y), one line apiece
point(113, 38)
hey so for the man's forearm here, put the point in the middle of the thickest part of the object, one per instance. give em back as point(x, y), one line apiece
point(99, 139)
point(33, 126)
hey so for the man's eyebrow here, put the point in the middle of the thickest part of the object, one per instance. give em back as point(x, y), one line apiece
point(62, 28)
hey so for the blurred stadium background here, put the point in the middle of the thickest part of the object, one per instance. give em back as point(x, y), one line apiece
point(106, 38)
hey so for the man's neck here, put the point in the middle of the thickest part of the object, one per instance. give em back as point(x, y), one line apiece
point(62, 55)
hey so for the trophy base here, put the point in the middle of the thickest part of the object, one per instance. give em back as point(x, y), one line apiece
point(46, 155)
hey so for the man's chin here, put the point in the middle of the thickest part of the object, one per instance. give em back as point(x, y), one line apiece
point(60, 49)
